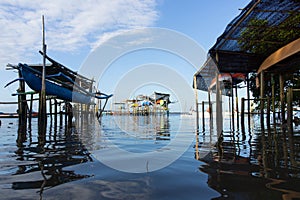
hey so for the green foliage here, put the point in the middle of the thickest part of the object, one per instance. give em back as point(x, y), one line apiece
point(262, 38)
point(293, 80)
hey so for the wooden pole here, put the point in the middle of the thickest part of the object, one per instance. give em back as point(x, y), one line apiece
point(282, 101)
point(203, 117)
point(196, 99)
point(42, 118)
point(237, 107)
point(55, 112)
point(268, 113)
point(219, 118)
point(248, 97)
point(22, 106)
point(243, 114)
point(232, 108)
point(30, 111)
point(273, 98)
point(290, 110)
point(262, 92)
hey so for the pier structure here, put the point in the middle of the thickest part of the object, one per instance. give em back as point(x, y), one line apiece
point(262, 45)
point(77, 107)
point(155, 104)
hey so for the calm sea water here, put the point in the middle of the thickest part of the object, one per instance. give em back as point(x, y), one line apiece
point(256, 164)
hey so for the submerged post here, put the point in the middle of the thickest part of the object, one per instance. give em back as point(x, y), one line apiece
point(22, 105)
point(196, 99)
point(243, 114)
point(262, 92)
point(219, 118)
point(290, 110)
point(282, 101)
point(203, 117)
point(42, 97)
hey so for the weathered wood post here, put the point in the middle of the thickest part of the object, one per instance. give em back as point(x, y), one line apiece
point(55, 112)
point(243, 114)
point(42, 118)
point(237, 107)
point(203, 117)
point(22, 106)
point(262, 93)
point(248, 97)
point(290, 110)
point(219, 117)
point(273, 98)
point(30, 111)
point(282, 97)
point(196, 99)
point(268, 113)
point(232, 108)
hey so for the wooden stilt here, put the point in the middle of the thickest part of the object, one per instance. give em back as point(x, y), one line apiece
point(232, 108)
point(268, 113)
point(196, 99)
point(219, 117)
point(282, 98)
point(203, 117)
point(30, 111)
point(273, 98)
point(243, 114)
point(290, 110)
point(262, 93)
point(42, 118)
point(248, 97)
point(22, 106)
point(237, 107)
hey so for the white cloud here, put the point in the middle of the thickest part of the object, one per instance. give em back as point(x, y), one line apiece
point(70, 25)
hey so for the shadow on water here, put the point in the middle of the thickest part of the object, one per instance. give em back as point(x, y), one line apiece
point(259, 164)
point(41, 162)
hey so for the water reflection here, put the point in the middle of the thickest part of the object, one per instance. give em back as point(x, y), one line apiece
point(44, 160)
point(260, 164)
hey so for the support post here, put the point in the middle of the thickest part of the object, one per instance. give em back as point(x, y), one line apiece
point(262, 93)
point(30, 112)
point(42, 118)
point(232, 108)
point(290, 110)
point(248, 97)
point(273, 98)
point(243, 114)
point(203, 117)
point(22, 106)
point(237, 107)
point(196, 99)
point(268, 113)
point(282, 101)
point(219, 118)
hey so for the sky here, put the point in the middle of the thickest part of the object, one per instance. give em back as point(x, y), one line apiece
point(76, 28)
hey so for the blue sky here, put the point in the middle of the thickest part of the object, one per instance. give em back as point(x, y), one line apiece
point(74, 28)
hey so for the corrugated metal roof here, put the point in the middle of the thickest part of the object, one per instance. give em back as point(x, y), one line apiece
point(261, 28)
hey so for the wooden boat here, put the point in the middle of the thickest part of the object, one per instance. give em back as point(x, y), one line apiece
point(60, 81)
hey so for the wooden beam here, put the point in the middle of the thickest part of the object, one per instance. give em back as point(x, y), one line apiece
point(279, 55)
